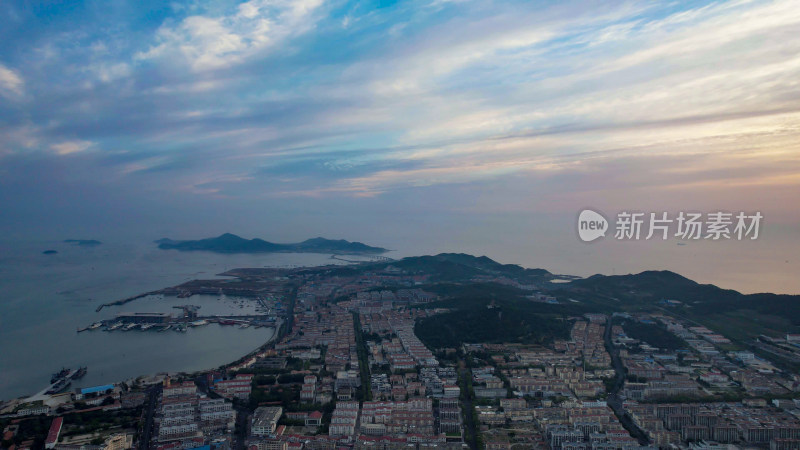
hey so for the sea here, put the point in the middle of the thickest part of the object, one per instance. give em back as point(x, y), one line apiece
point(44, 299)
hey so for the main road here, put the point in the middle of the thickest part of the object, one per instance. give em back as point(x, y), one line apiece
point(147, 429)
point(613, 399)
point(465, 374)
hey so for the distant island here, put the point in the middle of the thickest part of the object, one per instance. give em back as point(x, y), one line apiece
point(83, 242)
point(230, 243)
point(49, 252)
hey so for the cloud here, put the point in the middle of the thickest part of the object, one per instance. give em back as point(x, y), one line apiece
point(282, 96)
point(211, 42)
point(69, 147)
point(108, 73)
point(10, 82)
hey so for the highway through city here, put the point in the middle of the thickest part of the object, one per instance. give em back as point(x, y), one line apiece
point(147, 430)
point(614, 400)
point(469, 420)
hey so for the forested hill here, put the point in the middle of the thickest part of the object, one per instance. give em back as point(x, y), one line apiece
point(653, 287)
point(463, 267)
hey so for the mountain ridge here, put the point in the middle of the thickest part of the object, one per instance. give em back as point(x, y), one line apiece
point(231, 243)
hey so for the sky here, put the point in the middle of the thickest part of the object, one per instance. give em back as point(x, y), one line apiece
point(422, 126)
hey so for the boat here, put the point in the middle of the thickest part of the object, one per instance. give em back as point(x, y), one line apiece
point(244, 325)
point(79, 373)
point(115, 326)
point(147, 326)
point(59, 386)
point(64, 372)
point(165, 328)
point(199, 323)
point(181, 328)
point(95, 325)
point(130, 326)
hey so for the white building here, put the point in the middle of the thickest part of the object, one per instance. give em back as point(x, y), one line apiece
point(265, 420)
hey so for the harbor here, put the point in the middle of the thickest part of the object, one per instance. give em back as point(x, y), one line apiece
point(243, 304)
point(249, 307)
point(157, 322)
point(59, 382)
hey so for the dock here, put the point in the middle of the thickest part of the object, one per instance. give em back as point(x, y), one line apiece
point(163, 322)
point(124, 300)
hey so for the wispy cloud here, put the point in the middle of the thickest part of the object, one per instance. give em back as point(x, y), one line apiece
point(11, 84)
point(216, 41)
point(68, 147)
point(301, 97)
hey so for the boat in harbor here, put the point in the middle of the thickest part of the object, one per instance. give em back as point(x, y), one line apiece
point(95, 325)
point(114, 326)
point(180, 328)
point(199, 323)
point(165, 328)
point(79, 373)
point(59, 386)
point(63, 373)
point(130, 326)
point(147, 326)
point(244, 325)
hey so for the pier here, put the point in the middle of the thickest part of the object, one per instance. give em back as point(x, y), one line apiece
point(367, 260)
point(124, 300)
point(163, 322)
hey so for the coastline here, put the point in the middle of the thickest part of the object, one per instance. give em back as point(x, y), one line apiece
point(250, 355)
point(45, 302)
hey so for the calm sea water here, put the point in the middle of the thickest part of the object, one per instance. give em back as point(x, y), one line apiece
point(44, 298)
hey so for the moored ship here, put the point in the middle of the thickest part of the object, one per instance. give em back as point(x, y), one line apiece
point(59, 386)
point(79, 373)
point(63, 373)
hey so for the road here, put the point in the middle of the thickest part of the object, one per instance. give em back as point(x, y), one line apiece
point(614, 400)
point(240, 433)
point(469, 423)
point(147, 430)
